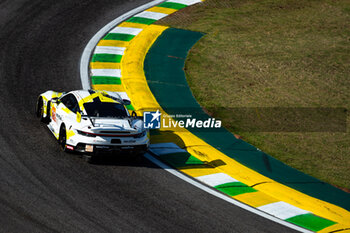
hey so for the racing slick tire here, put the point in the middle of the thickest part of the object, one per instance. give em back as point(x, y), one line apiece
point(62, 138)
point(40, 111)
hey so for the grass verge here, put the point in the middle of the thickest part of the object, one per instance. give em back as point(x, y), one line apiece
point(275, 53)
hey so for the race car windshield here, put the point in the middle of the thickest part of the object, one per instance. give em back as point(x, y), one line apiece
point(101, 109)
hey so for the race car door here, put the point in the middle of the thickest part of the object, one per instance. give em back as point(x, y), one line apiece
point(66, 111)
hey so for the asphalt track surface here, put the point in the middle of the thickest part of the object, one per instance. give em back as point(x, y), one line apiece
point(45, 190)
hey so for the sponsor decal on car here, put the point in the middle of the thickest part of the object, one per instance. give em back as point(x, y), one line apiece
point(53, 113)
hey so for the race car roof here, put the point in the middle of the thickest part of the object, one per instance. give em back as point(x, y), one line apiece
point(87, 96)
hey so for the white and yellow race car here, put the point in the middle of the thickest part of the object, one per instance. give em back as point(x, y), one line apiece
point(92, 122)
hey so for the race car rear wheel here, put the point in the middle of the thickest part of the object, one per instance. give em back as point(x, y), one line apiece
point(39, 108)
point(40, 111)
point(62, 138)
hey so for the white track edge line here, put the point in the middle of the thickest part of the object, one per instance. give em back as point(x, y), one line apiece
point(85, 58)
point(221, 195)
point(84, 76)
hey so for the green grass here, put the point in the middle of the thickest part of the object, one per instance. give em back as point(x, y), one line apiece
point(275, 53)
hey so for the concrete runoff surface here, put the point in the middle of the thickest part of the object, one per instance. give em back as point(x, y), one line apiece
point(45, 190)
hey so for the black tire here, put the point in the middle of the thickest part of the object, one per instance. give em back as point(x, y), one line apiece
point(40, 111)
point(62, 138)
point(47, 119)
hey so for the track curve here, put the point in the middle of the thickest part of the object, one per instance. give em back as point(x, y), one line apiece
point(45, 190)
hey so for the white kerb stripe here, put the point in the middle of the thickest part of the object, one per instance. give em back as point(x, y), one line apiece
point(109, 50)
point(126, 30)
point(106, 72)
point(282, 210)
point(216, 179)
point(151, 15)
point(185, 2)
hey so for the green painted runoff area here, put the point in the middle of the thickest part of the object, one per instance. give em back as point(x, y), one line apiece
point(165, 76)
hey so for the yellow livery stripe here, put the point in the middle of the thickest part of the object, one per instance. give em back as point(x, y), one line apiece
point(70, 133)
point(66, 110)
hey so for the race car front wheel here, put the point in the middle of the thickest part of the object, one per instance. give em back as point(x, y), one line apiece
point(62, 138)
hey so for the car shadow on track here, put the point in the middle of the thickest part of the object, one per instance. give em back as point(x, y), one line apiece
point(123, 160)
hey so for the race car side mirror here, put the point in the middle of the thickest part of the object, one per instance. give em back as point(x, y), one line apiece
point(78, 117)
point(126, 102)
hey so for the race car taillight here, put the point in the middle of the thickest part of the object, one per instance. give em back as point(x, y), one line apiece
point(86, 134)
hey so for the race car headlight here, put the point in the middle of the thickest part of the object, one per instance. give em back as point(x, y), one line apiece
point(85, 134)
point(142, 134)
